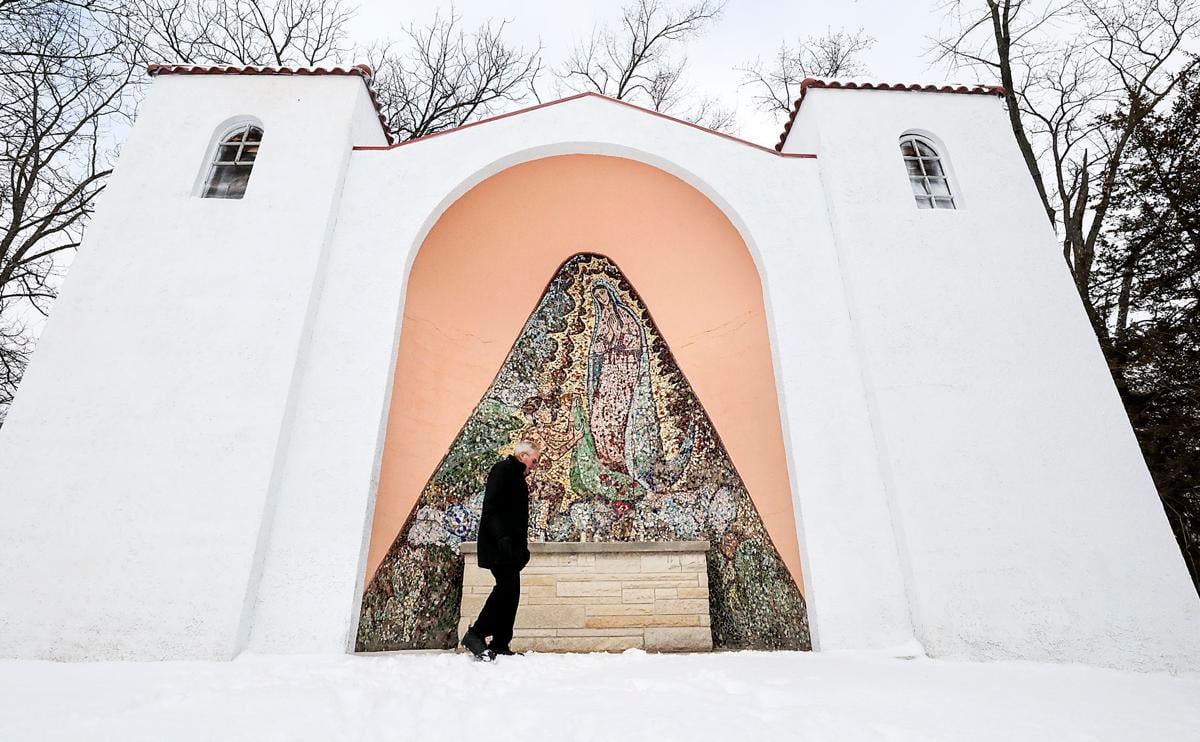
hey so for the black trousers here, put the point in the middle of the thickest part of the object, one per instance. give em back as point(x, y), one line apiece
point(500, 609)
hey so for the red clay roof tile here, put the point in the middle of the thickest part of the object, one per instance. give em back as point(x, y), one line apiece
point(812, 82)
point(359, 70)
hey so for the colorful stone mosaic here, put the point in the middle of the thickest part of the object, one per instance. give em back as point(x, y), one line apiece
point(630, 455)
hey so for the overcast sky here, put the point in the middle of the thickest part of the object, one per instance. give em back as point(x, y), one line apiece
point(747, 29)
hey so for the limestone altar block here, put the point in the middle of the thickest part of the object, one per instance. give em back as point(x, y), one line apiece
point(603, 596)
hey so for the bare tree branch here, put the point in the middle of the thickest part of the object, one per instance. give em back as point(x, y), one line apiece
point(642, 60)
point(63, 89)
point(69, 78)
point(833, 54)
point(440, 76)
point(1116, 55)
point(247, 32)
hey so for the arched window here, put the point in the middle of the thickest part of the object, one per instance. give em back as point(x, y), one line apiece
point(930, 183)
point(229, 172)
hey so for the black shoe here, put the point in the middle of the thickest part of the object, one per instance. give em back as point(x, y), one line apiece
point(476, 646)
point(504, 651)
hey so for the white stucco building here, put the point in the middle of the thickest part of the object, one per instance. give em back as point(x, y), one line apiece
point(190, 466)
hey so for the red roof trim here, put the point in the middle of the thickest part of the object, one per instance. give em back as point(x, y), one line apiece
point(359, 70)
point(577, 96)
point(812, 82)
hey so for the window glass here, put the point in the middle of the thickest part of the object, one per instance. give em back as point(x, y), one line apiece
point(229, 171)
point(929, 181)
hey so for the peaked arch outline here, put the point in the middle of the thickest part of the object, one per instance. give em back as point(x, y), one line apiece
point(631, 455)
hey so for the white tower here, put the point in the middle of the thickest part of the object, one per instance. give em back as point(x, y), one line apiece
point(139, 459)
point(1027, 522)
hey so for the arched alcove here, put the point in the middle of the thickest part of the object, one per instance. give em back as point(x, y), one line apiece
point(483, 266)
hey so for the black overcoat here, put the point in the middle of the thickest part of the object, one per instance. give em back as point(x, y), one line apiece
point(504, 519)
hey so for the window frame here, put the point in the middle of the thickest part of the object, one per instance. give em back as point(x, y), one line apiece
point(929, 199)
point(240, 128)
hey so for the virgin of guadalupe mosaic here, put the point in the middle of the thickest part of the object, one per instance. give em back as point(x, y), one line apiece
point(629, 455)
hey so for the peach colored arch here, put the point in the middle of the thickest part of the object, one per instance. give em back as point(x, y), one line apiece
point(484, 265)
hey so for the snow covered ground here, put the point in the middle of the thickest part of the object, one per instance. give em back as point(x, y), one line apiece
point(632, 696)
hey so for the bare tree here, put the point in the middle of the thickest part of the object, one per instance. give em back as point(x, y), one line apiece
point(1086, 82)
point(833, 54)
point(641, 60)
point(62, 90)
point(711, 113)
point(15, 348)
point(1118, 55)
point(247, 32)
point(440, 76)
point(983, 40)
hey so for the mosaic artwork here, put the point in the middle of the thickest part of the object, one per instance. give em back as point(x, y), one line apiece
point(629, 455)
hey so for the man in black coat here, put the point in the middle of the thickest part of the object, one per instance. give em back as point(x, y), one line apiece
point(503, 549)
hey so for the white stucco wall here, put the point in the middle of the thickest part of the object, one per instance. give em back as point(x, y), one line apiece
point(190, 466)
point(392, 199)
point(1028, 522)
point(140, 458)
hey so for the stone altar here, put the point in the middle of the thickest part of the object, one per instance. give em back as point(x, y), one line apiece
point(603, 596)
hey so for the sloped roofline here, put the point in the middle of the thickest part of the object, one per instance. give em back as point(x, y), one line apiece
point(577, 96)
point(364, 72)
point(812, 82)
